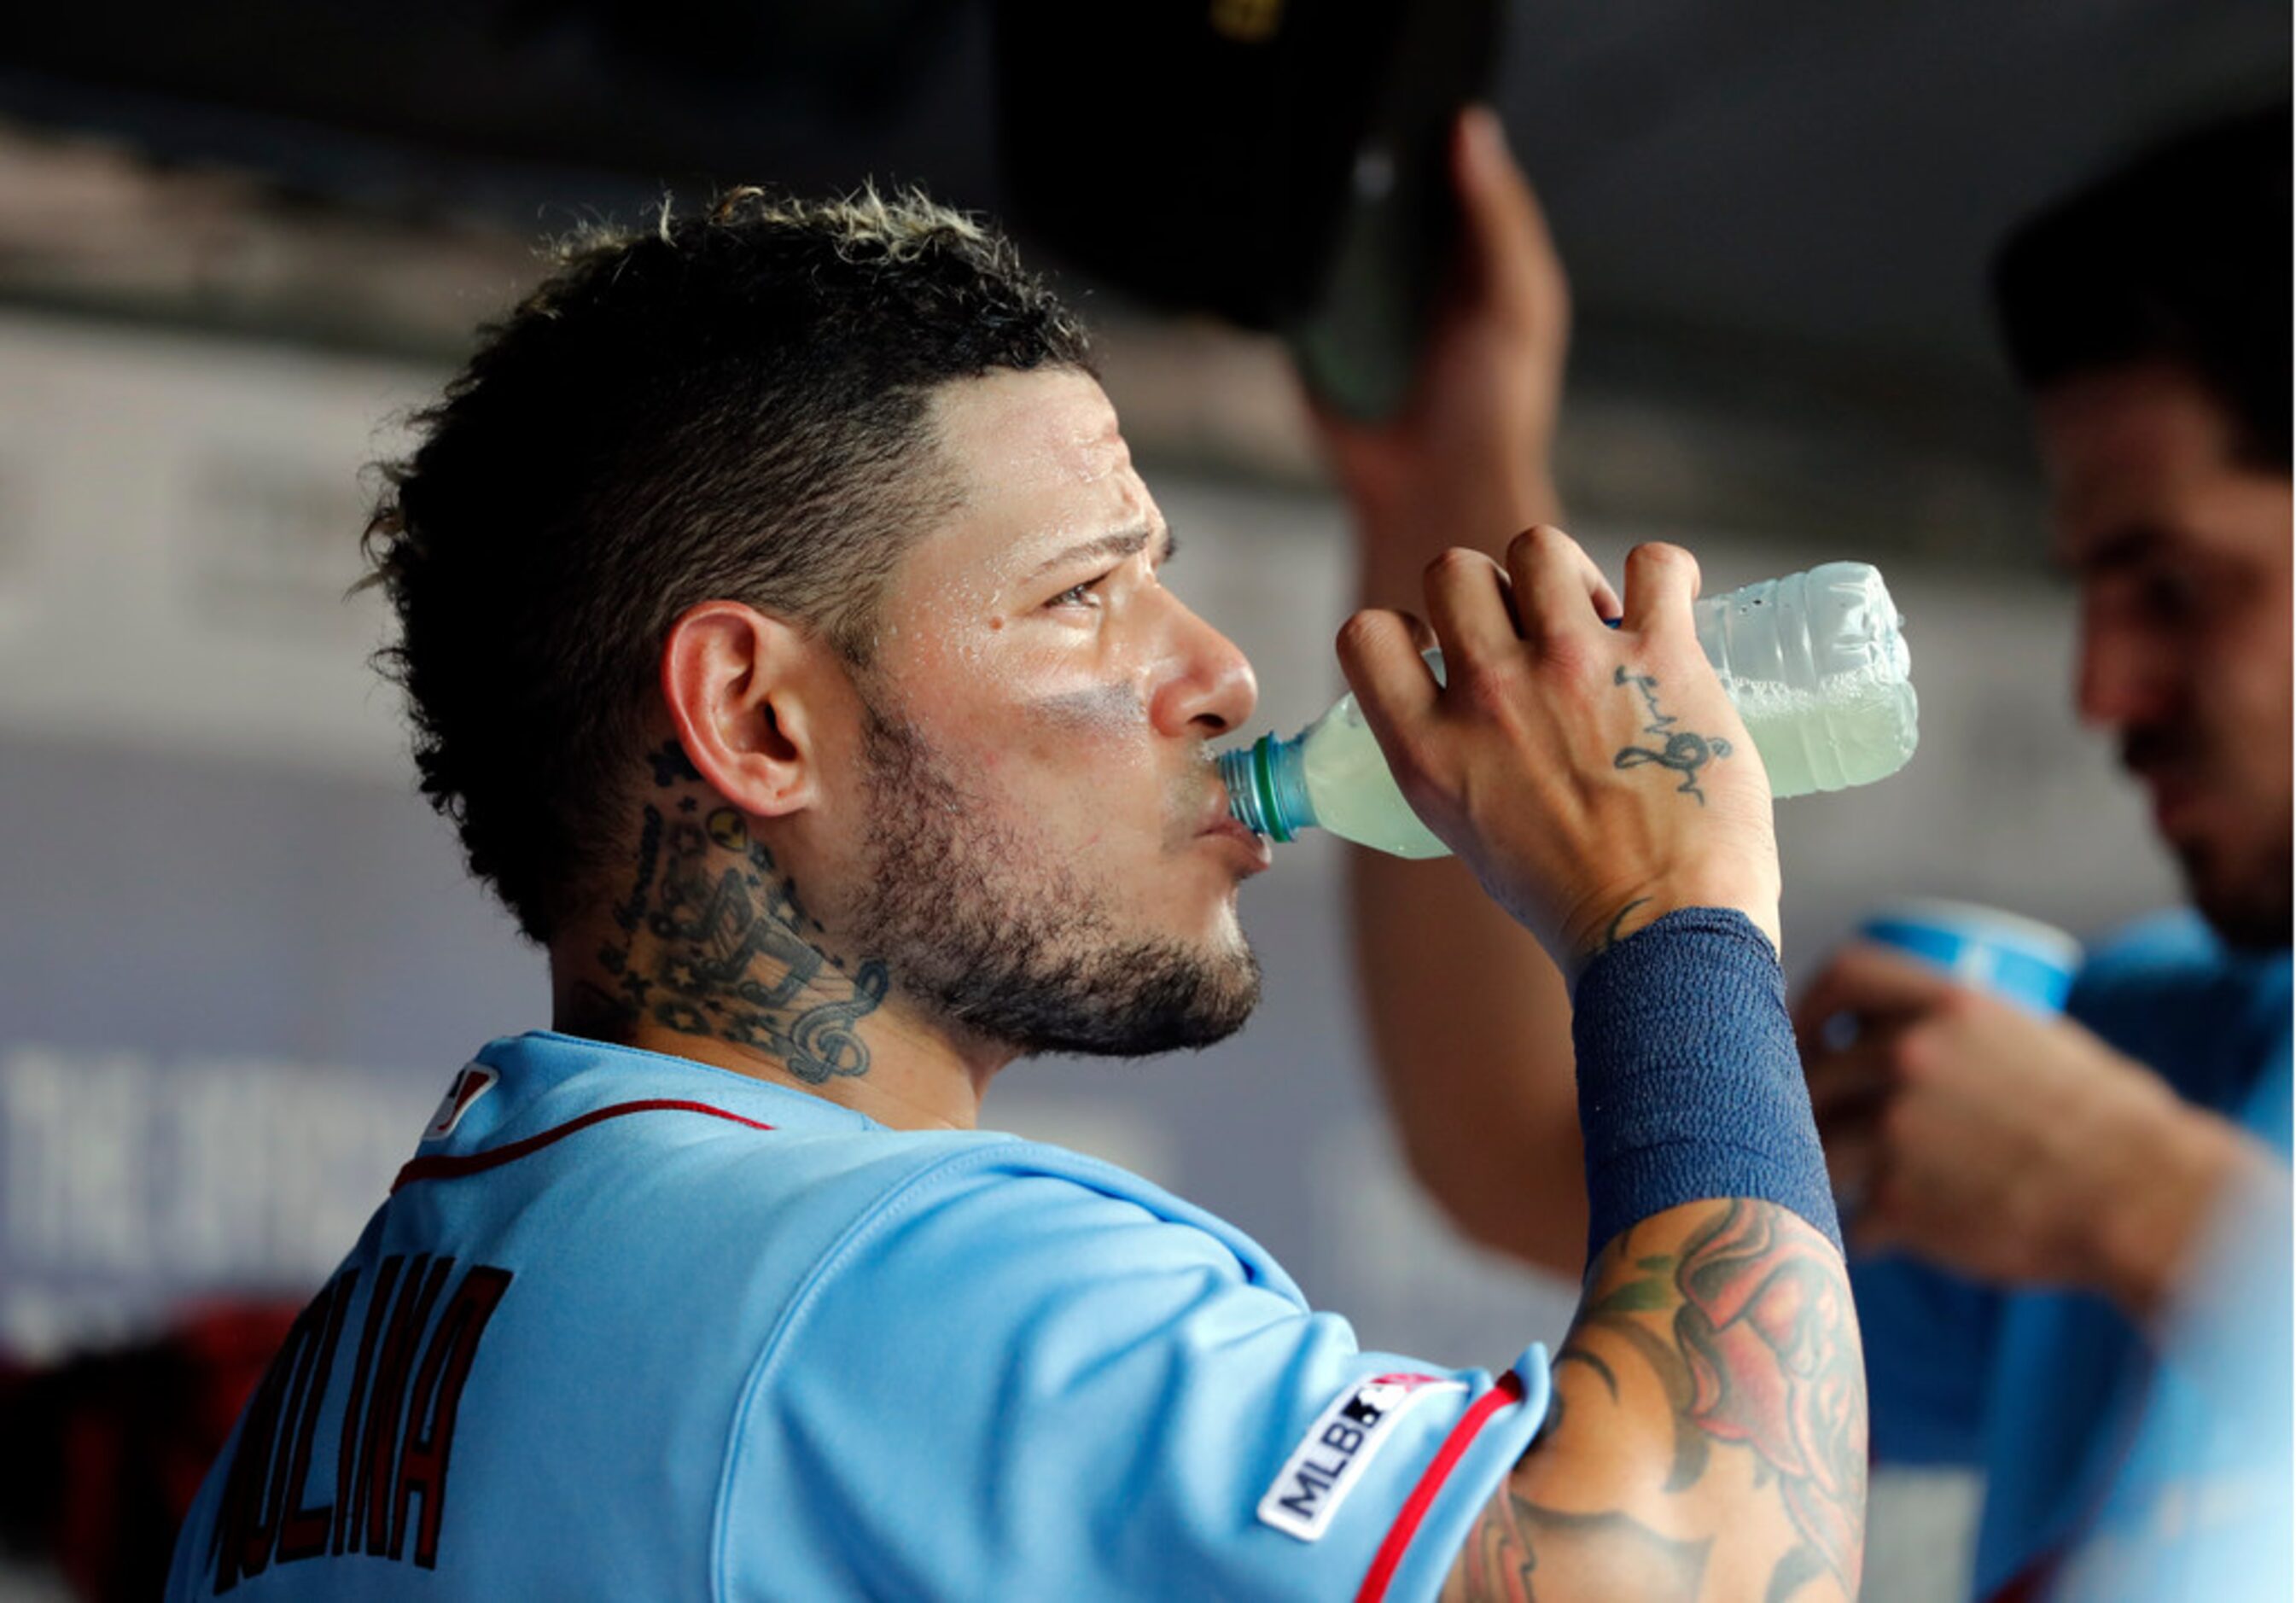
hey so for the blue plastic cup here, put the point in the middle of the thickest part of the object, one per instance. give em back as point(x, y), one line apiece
point(2012, 956)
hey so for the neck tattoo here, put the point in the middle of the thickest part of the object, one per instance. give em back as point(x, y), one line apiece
point(713, 940)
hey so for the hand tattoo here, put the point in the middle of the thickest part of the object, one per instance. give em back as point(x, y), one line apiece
point(1683, 751)
point(1609, 936)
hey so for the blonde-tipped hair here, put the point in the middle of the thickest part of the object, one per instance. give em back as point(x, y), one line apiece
point(729, 403)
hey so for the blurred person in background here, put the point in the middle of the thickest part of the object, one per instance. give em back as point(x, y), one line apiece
point(2077, 1265)
point(2055, 1195)
point(785, 631)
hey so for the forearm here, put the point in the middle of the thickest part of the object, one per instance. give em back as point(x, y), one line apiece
point(1708, 1438)
point(1470, 1021)
point(2231, 1323)
point(1471, 1036)
point(1708, 1427)
point(1405, 523)
point(2162, 1173)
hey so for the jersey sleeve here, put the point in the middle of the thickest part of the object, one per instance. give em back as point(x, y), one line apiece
point(1930, 1341)
point(1012, 1384)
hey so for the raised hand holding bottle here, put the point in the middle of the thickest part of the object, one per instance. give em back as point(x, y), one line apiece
point(1815, 663)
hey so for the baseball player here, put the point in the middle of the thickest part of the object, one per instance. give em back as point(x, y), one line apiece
point(785, 630)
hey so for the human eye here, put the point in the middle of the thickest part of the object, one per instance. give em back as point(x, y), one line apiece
point(2169, 592)
point(1085, 595)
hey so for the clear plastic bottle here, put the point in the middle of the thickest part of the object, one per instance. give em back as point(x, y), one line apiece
point(1814, 663)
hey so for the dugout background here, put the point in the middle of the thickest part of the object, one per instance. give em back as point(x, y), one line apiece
point(239, 957)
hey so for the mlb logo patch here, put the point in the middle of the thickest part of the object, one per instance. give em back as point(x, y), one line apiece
point(1330, 1460)
point(472, 1081)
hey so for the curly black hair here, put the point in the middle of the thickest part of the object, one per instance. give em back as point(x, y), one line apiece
point(729, 404)
point(2183, 256)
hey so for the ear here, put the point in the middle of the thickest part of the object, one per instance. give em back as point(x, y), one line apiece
point(735, 683)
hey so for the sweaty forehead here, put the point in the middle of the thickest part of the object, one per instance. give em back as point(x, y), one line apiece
point(1035, 459)
point(1044, 432)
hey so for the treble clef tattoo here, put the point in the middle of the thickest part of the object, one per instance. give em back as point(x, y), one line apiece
point(822, 1042)
point(1683, 751)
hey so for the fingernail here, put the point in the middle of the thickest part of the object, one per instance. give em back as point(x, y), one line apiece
point(1486, 134)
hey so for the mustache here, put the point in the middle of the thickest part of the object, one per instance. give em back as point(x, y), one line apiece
point(2156, 747)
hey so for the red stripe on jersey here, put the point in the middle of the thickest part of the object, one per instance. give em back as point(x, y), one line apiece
point(445, 1168)
point(1383, 1563)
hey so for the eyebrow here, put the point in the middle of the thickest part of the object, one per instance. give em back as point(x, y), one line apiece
point(1117, 542)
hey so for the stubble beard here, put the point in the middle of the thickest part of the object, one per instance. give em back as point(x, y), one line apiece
point(2241, 887)
point(2248, 904)
point(1012, 946)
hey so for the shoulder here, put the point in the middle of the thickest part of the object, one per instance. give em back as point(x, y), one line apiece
point(2167, 992)
point(1025, 1364)
point(2162, 949)
point(984, 1183)
point(2175, 955)
point(1015, 1212)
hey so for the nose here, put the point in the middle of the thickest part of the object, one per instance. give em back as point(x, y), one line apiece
point(1206, 687)
point(2128, 674)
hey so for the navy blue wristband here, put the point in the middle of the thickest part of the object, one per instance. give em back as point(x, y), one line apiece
point(1689, 1084)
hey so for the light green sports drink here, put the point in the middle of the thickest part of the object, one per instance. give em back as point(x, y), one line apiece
point(1816, 663)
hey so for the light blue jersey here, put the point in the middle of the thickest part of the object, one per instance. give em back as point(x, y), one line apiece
point(630, 1326)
